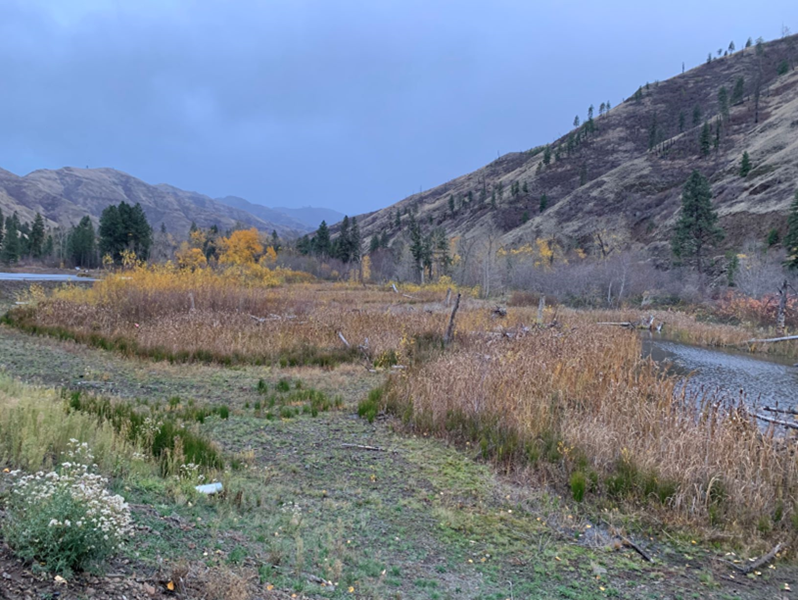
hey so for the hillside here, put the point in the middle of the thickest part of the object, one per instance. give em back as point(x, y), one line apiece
point(65, 196)
point(626, 175)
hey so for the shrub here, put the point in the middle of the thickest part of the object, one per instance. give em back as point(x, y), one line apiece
point(368, 408)
point(65, 520)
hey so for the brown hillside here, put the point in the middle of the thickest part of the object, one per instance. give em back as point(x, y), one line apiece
point(626, 176)
point(65, 196)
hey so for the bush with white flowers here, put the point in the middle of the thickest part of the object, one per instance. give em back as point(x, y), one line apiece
point(65, 520)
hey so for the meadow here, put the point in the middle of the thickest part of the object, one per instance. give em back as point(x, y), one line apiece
point(526, 425)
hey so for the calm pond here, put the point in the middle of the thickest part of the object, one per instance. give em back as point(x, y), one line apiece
point(762, 380)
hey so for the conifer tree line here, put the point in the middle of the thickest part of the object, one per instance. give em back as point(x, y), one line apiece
point(122, 227)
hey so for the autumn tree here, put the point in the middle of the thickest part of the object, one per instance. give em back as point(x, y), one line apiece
point(242, 247)
point(697, 226)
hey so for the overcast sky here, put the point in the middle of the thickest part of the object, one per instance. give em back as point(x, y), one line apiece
point(351, 105)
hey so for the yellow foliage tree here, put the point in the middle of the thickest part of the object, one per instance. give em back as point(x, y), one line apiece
point(241, 248)
point(190, 258)
point(270, 256)
point(365, 268)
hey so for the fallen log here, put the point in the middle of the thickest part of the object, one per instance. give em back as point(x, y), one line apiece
point(636, 548)
point(343, 339)
point(756, 564)
point(393, 285)
point(784, 411)
point(777, 422)
point(363, 447)
point(618, 324)
point(771, 340)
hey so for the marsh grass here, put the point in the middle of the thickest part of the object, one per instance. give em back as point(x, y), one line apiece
point(36, 429)
point(220, 317)
point(166, 434)
point(579, 407)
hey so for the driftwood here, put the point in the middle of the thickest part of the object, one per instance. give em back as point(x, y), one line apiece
point(636, 548)
point(450, 329)
point(778, 422)
point(541, 307)
point(343, 339)
point(759, 562)
point(369, 448)
point(784, 411)
point(393, 285)
point(771, 340)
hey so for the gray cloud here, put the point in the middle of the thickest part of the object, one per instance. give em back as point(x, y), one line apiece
point(347, 104)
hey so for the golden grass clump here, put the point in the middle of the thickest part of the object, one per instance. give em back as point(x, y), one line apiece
point(581, 406)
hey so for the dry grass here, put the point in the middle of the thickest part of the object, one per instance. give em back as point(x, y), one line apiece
point(229, 317)
point(582, 407)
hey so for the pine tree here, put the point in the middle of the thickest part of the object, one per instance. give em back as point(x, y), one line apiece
point(355, 242)
point(731, 46)
point(705, 139)
point(723, 102)
point(544, 202)
point(681, 121)
point(696, 115)
point(739, 90)
point(321, 244)
point(745, 165)
point(547, 155)
point(697, 226)
point(124, 227)
point(576, 121)
point(36, 240)
point(342, 247)
point(417, 248)
point(82, 244)
point(11, 250)
point(525, 188)
point(791, 239)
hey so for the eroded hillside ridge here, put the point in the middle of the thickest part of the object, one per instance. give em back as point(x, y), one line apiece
point(622, 168)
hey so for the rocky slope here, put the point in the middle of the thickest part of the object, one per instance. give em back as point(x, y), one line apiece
point(64, 196)
point(626, 176)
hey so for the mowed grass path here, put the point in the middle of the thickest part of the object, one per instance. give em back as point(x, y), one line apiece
point(420, 520)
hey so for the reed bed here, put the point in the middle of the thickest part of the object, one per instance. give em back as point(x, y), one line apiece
point(229, 316)
point(581, 408)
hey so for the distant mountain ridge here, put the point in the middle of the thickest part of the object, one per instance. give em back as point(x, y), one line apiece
point(302, 219)
point(64, 196)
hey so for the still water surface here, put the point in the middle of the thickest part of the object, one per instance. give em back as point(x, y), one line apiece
point(762, 380)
